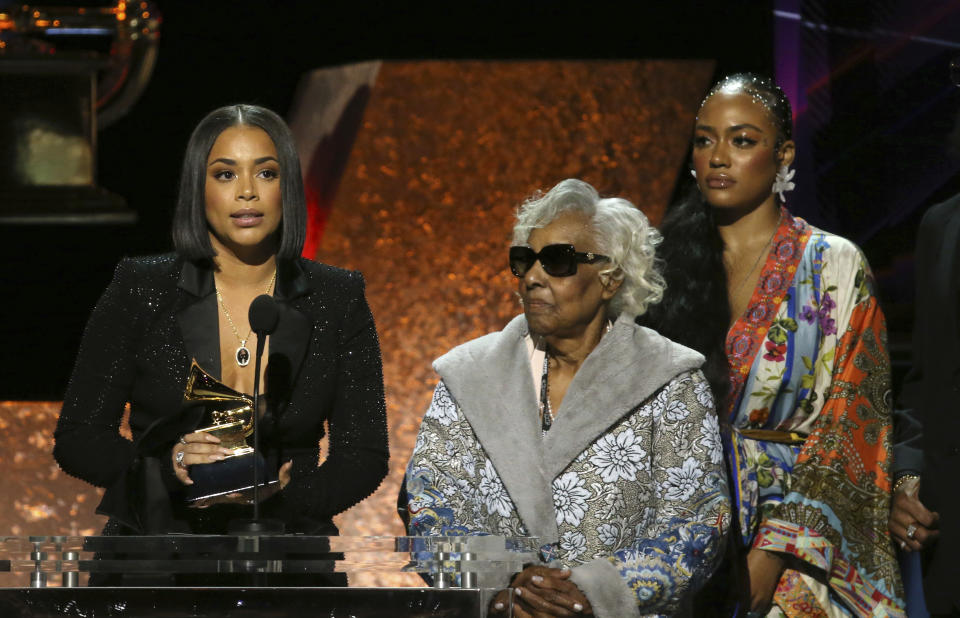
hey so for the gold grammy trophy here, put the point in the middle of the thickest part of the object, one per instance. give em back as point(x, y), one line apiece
point(228, 415)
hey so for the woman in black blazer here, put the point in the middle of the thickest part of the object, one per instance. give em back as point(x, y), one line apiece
point(238, 229)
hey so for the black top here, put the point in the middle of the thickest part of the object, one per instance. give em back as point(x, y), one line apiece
point(324, 365)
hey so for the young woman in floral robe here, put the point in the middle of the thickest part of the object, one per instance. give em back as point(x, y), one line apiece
point(796, 350)
point(809, 406)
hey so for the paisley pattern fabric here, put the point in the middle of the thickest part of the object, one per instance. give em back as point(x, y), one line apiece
point(649, 494)
point(810, 410)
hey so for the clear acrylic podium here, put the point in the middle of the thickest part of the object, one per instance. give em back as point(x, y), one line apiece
point(50, 576)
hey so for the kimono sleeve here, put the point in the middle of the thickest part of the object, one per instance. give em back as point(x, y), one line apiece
point(438, 502)
point(834, 517)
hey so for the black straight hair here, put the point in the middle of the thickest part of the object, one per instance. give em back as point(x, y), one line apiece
point(190, 236)
point(695, 310)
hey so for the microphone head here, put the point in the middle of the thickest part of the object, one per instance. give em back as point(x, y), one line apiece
point(263, 315)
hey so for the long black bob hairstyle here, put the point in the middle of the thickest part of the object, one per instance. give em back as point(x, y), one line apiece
point(190, 230)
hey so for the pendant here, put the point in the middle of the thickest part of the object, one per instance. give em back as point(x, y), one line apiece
point(243, 354)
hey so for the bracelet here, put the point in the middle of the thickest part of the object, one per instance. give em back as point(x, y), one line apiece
point(903, 479)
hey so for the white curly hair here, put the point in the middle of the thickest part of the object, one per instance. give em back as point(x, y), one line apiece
point(621, 232)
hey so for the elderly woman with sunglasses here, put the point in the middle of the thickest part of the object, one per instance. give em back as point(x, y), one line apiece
point(577, 426)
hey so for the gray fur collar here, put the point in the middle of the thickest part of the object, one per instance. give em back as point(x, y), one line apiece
point(490, 380)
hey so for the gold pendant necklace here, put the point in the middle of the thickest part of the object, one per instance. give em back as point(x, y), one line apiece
point(242, 355)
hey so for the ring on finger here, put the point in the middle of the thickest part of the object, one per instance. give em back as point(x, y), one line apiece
point(183, 440)
point(911, 530)
point(180, 463)
point(903, 544)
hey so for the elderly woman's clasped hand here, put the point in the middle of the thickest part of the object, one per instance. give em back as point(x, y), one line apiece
point(542, 591)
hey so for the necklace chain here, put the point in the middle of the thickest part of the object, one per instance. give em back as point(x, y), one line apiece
point(546, 413)
point(546, 410)
point(243, 354)
point(756, 262)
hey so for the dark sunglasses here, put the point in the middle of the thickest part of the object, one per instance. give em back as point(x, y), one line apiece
point(557, 260)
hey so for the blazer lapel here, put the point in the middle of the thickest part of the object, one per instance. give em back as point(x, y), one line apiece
point(949, 272)
point(949, 258)
point(288, 348)
point(198, 319)
point(289, 342)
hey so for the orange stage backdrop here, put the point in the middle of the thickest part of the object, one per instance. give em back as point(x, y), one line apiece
point(443, 155)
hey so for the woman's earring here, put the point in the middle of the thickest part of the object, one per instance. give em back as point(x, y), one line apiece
point(783, 181)
point(693, 173)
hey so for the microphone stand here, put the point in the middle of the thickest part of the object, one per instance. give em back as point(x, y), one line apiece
point(261, 342)
point(257, 526)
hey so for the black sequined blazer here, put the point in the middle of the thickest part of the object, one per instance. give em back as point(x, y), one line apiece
point(324, 365)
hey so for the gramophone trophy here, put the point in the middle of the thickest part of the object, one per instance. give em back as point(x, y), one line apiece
point(228, 415)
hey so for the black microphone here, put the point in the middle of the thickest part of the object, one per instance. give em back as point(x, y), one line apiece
point(263, 316)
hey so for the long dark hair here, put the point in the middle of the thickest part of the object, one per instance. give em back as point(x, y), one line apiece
point(190, 235)
point(695, 310)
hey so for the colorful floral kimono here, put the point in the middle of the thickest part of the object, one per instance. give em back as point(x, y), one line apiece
point(810, 409)
point(627, 488)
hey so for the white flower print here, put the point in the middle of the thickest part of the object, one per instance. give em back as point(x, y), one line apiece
point(682, 482)
point(648, 516)
point(573, 543)
point(704, 394)
point(608, 534)
point(710, 438)
point(611, 496)
point(442, 408)
point(660, 400)
point(644, 492)
point(570, 499)
point(677, 411)
point(618, 456)
point(469, 465)
point(681, 442)
point(492, 492)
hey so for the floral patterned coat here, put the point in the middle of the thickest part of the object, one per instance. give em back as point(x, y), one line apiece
point(627, 488)
point(810, 407)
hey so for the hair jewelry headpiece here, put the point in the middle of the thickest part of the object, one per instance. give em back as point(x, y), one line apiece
point(762, 90)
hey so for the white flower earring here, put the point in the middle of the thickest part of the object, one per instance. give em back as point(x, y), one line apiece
point(783, 181)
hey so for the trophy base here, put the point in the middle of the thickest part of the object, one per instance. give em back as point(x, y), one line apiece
point(230, 482)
